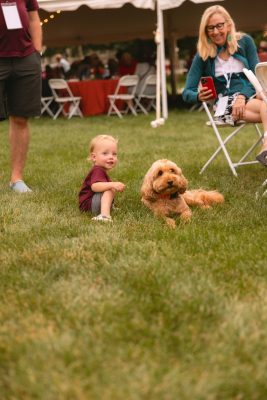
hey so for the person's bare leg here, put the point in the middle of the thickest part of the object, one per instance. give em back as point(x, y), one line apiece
point(256, 111)
point(19, 137)
point(106, 202)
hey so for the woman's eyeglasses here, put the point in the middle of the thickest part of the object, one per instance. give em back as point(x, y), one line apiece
point(219, 27)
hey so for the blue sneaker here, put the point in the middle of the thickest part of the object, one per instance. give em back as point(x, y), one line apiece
point(20, 187)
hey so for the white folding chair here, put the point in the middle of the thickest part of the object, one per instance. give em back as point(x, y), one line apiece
point(217, 126)
point(259, 81)
point(63, 96)
point(45, 105)
point(126, 83)
point(148, 94)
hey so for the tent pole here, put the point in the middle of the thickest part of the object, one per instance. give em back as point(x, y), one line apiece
point(158, 97)
point(163, 72)
point(158, 40)
point(174, 63)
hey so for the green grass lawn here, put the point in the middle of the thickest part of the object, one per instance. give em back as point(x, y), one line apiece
point(131, 310)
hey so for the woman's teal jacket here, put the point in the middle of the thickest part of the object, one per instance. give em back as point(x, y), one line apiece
point(246, 52)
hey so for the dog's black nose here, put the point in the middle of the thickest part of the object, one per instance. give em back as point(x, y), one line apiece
point(170, 183)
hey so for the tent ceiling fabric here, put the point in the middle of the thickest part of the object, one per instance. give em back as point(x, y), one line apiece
point(86, 25)
point(70, 5)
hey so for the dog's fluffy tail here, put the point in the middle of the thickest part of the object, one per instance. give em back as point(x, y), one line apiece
point(202, 197)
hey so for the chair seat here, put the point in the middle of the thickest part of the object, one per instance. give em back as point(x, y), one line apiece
point(121, 96)
point(66, 99)
point(224, 124)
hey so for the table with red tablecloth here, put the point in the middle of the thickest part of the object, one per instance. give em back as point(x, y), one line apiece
point(94, 94)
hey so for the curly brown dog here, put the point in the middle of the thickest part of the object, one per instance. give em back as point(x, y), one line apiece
point(164, 191)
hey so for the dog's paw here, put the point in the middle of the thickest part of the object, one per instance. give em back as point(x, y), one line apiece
point(186, 216)
point(205, 206)
point(171, 223)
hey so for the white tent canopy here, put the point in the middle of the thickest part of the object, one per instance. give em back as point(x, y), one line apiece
point(70, 5)
point(103, 21)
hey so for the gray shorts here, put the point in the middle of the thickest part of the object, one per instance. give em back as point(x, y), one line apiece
point(96, 203)
point(20, 86)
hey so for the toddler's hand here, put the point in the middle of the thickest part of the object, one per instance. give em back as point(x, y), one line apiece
point(119, 186)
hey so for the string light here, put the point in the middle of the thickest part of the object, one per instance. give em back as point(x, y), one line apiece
point(50, 18)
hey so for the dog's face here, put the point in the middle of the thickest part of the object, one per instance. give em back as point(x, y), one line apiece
point(164, 177)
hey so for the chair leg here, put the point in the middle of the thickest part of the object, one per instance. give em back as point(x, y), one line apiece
point(151, 105)
point(75, 108)
point(60, 108)
point(46, 107)
point(79, 111)
point(138, 104)
point(221, 142)
point(249, 152)
point(110, 108)
point(130, 105)
point(222, 146)
point(113, 106)
point(49, 111)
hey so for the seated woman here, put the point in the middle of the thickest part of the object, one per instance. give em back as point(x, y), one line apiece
point(127, 64)
point(222, 54)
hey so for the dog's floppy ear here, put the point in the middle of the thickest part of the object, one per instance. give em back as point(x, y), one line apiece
point(147, 191)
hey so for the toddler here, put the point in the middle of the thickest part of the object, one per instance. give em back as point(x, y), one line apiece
point(98, 191)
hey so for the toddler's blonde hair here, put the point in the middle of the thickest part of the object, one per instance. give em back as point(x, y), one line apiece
point(98, 139)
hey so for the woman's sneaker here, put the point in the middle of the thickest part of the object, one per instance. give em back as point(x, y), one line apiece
point(102, 218)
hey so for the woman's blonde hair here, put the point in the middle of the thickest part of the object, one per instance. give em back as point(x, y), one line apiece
point(205, 46)
point(98, 139)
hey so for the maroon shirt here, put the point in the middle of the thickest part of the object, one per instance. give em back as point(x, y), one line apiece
point(96, 174)
point(127, 69)
point(17, 42)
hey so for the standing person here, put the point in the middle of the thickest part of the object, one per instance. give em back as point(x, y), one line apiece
point(222, 54)
point(63, 64)
point(98, 191)
point(20, 78)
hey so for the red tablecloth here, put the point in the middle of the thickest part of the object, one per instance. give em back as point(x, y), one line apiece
point(94, 95)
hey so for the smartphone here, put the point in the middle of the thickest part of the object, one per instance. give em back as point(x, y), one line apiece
point(207, 82)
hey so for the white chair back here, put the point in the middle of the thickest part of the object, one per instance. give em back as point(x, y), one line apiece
point(59, 85)
point(128, 81)
point(63, 96)
point(259, 81)
point(261, 74)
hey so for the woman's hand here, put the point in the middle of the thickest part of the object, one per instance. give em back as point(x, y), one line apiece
point(204, 94)
point(239, 108)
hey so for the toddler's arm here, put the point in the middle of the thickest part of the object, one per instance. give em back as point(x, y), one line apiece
point(103, 186)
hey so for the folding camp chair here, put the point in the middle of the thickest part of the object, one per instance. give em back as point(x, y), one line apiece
point(148, 94)
point(45, 105)
point(68, 104)
point(126, 83)
point(259, 81)
point(217, 126)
